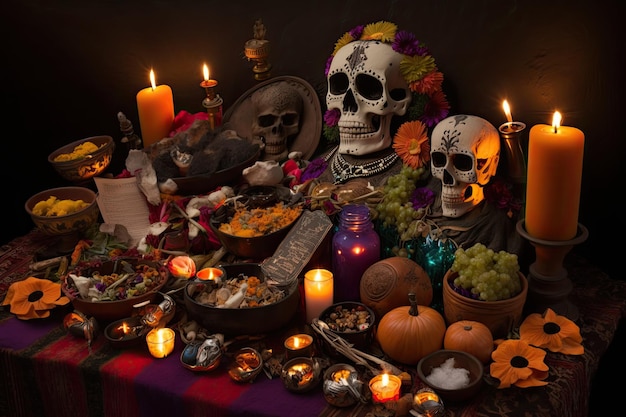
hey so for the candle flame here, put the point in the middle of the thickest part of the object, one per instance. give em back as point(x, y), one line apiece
point(385, 380)
point(507, 111)
point(205, 70)
point(296, 342)
point(152, 81)
point(318, 275)
point(556, 121)
point(125, 328)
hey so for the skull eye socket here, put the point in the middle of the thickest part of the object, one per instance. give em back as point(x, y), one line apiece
point(338, 83)
point(266, 120)
point(460, 161)
point(369, 87)
point(438, 159)
point(289, 119)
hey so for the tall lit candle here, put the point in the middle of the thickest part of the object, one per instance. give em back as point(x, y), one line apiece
point(555, 165)
point(155, 105)
point(318, 292)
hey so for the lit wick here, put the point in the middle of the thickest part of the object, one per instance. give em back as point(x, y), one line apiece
point(556, 121)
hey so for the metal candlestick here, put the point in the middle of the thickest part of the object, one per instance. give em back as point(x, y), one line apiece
point(258, 51)
point(548, 283)
point(515, 162)
point(213, 103)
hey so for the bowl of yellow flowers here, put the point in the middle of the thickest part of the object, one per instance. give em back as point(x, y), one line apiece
point(63, 210)
point(83, 159)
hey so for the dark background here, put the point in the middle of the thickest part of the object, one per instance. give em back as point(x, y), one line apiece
point(69, 67)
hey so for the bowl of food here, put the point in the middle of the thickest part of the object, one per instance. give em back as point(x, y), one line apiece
point(83, 159)
point(250, 231)
point(63, 210)
point(114, 289)
point(453, 374)
point(353, 321)
point(244, 301)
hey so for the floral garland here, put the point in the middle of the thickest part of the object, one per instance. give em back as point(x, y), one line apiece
point(429, 104)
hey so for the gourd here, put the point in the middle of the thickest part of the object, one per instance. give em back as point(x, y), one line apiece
point(408, 333)
point(470, 336)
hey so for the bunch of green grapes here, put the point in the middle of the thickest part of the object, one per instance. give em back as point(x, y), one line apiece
point(396, 209)
point(485, 274)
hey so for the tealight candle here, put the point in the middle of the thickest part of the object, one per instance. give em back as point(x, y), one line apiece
point(155, 106)
point(210, 274)
point(160, 342)
point(298, 345)
point(318, 292)
point(385, 387)
point(555, 165)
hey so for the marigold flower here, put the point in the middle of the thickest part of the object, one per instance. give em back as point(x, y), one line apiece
point(33, 298)
point(429, 84)
point(553, 332)
point(517, 363)
point(411, 144)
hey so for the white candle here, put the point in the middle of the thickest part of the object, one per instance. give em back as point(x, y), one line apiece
point(318, 292)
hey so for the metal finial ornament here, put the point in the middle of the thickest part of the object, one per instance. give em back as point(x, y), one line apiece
point(258, 51)
point(131, 139)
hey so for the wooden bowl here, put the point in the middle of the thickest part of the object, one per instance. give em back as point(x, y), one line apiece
point(87, 166)
point(360, 337)
point(74, 222)
point(462, 360)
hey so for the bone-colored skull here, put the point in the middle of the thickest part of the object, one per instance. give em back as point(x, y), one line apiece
point(365, 84)
point(276, 121)
point(465, 151)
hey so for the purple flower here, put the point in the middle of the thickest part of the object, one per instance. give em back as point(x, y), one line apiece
point(405, 43)
point(315, 168)
point(331, 117)
point(101, 286)
point(327, 68)
point(422, 197)
point(357, 31)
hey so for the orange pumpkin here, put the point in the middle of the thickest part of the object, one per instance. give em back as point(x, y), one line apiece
point(470, 336)
point(408, 333)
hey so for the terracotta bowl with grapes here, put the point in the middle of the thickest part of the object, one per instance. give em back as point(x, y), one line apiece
point(500, 316)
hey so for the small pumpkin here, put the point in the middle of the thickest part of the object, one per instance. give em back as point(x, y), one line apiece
point(408, 333)
point(470, 336)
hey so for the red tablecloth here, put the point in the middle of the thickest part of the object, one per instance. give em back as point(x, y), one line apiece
point(47, 372)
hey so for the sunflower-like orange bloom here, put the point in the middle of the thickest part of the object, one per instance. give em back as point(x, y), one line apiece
point(517, 363)
point(553, 332)
point(411, 144)
point(429, 84)
point(33, 298)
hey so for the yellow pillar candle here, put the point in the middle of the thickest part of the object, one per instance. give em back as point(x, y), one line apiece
point(555, 164)
point(318, 292)
point(155, 105)
point(160, 342)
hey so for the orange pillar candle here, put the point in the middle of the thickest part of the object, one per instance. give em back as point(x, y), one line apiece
point(555, 165)
point(160, 342)
point(155, 105)
point(385, 387)
point(318, 292)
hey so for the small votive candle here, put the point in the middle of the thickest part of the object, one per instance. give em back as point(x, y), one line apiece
point(385, 387)
point(298, 345)
point(427, 402)
point(300, 374)
point(318, 292)
point(160, 342)
point(210, 274)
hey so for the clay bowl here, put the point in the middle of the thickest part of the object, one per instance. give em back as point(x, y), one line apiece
point(256, 248)
point(359, 335)
point(500, 316)
point(86, 166)
point(77, 221)
point(108, 311)
point(463, 360)
point(242, 321)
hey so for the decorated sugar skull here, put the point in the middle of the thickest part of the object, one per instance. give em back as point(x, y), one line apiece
point(464, 155)
point(365, 84)
point(277, 110)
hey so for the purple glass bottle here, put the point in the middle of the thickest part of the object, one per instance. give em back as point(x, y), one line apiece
point(356, 246)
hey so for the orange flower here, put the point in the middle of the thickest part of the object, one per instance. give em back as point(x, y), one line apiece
point(429, 84)
point(517, 363)
point(553, 332)
point(33, 298)
point(411, 144)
